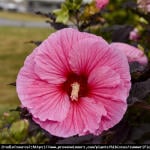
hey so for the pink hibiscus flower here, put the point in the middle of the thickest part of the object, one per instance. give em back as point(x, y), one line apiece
point(101, 3)
point(132, 53)
point(74, 84)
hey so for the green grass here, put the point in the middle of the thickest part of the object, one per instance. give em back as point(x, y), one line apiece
point(21, 16)
point(13, 52)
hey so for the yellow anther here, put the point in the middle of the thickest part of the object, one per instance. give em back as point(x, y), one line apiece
point(75, 91)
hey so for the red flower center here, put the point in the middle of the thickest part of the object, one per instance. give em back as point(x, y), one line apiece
point(76, 86)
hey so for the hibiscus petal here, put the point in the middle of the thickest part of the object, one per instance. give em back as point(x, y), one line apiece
point(52, 62)
point(115, 112)
point(132, 53)
point(117, 61)
point(113, 97)
point(112, 93)
point(86, 55)
point(106, 83)
point(54, 107)
point(103, 77)
point(84, 115)
point(41, 98)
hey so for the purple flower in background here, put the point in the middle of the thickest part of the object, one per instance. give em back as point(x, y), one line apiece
point(144, 5)
point(134, 35)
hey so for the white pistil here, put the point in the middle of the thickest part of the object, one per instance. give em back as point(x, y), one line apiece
point(75, 91)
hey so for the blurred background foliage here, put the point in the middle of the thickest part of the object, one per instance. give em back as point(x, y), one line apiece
point(114, 23)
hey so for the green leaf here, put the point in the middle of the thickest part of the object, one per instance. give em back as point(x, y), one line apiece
point(5, 137)
point(89, 10)
point(73, 4)
point(19, 129)
point(62, 15)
